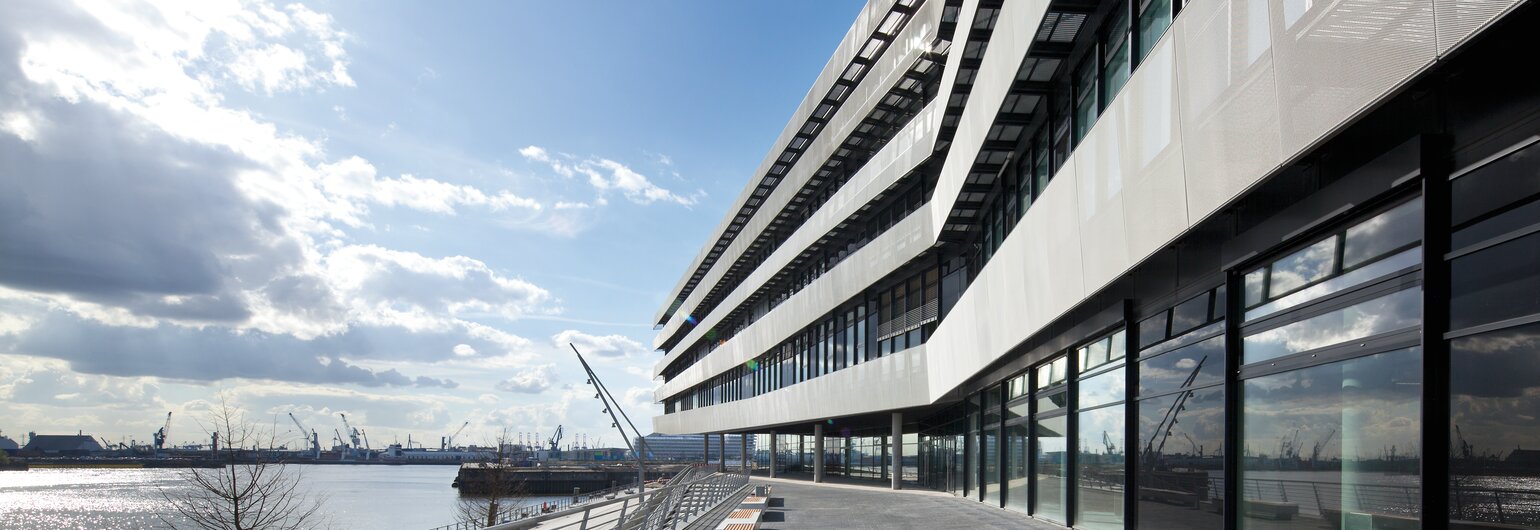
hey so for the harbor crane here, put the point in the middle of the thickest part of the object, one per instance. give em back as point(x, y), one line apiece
point(315, 439)
point(1315, 452)
point(163, 435)
point(351, 431)
point(555, 440)
point(448, 442)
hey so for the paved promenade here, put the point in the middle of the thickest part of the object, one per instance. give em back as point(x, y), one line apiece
point(800, 504)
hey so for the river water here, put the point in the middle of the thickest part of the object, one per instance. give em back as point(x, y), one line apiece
point(405, 497)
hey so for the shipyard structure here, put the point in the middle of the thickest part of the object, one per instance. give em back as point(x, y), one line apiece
point(1143, 264)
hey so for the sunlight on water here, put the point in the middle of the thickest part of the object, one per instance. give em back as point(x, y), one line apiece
point(407, 497)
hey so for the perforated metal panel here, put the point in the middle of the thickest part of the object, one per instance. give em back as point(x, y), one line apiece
point(1154, 189)
point(1228, 102)
point(1457, 20)
point(1334, 59)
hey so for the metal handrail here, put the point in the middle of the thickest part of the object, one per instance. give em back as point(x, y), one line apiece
point(665, 508)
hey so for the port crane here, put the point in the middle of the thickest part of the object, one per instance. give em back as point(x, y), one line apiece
point(352, 432)
point(315, 439)
point(448, 442)
point(555, 440)
point(163, 435)
point(1315, 451)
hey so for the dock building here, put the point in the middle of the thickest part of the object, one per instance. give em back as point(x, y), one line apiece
point(1143, 264)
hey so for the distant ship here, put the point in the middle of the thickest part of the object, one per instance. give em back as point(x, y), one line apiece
point(395, 452)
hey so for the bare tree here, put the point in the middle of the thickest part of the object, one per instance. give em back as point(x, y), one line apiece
point(247, 492)
point(499, 494)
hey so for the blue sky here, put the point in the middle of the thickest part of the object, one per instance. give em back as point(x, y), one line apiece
point(397, 211)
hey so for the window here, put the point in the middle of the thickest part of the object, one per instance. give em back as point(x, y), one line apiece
point(1495, 355)
point(1117, 67)
point(1338, 441)
point(1099, 461)
point(1331, 390)
point(1380, 245)
point(1154, 18)
point(1051, 485)
point(1086, 105)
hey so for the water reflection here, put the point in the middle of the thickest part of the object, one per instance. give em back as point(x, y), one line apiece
point(1495, 387)
point(1337, 441)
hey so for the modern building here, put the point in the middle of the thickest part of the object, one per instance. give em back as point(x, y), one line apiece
point(1144, 264)
point(694, 447)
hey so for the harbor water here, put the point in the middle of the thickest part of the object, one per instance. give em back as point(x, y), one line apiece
point(405, 497)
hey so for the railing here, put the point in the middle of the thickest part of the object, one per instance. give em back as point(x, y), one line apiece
point(684, 500)
point(524, 511)
point(1503, 506)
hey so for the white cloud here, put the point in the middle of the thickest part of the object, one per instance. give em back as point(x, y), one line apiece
point(464, 350)
point(600, 345)
point(532, 380)
point(355, 181)
point(606, 175)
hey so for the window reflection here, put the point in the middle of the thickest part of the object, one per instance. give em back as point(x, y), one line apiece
point(1302, 267)
point(1496, 284)
point(1336, 442)
point(1016, 492)
point(1049, 486)
point(1099, 472)
point(1399, 310)
point(1104, 388)
point(1195, 365)
point(1383, 233)
point(1181, 444)
point(1495, 466)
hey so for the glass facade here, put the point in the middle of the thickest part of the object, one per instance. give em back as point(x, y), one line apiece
point(1351, 343)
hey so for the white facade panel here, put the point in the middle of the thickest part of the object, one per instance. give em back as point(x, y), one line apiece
point(1099, 175)
point(889, 251)
point(893, 382)
point(1335, 59)
point(1018, 21)
point(855, 38)
point(1228, 100)
point(1036, 276)
point(914, 40)
point(1454, 21)
point(1155, 186)
point(905, 151)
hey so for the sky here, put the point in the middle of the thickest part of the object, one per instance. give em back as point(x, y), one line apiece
point(400, 212)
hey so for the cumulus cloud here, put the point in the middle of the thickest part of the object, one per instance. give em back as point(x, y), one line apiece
point(147, 228)
point(532, 380)
point(606, 175)
point(600, 345)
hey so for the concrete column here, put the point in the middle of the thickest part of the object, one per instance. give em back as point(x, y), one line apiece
point(705, 444)
point(897, 440)
point(722, 455)
point(743, 452)
point(817, 452)
point(775, 450)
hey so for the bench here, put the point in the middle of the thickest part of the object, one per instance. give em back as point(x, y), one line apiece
point(1277, 511)
point(1177, 497)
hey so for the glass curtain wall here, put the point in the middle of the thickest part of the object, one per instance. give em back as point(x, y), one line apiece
point(1050, 440)
point(1018, 434)
point(1099, 461)
point(1332, 380)
point(1495, 341)
point(1181, 415)
point(990, 444)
